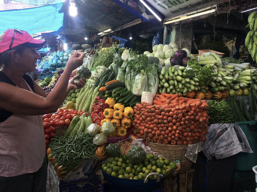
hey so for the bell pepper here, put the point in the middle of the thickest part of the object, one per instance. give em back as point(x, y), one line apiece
point(117, 114)
point(100, 115)
point(115, 123)
point(128, 112)
point(126, 123)
point(105, 120)
point(100, 101)
point(97, 99)
point(118, 107)
point(112, 134)
point(110, 102)
point(94, 116)
point(101, 107)
point(122, 131)
point(98, 121)
point(108, 113)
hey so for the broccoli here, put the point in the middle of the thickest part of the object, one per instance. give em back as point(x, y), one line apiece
point(83, 72)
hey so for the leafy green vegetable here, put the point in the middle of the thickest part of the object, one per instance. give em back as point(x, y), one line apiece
point(136, 155)
point(113, 150)
point(193, 63)
point(205, 75)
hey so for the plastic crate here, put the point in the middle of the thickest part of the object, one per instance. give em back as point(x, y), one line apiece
point(214, 175)
point(244, 181)
point(90, 184)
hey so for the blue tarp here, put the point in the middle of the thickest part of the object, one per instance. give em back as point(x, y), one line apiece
point(33, 20)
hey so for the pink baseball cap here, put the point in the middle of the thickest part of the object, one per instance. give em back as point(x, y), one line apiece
point(14, 37)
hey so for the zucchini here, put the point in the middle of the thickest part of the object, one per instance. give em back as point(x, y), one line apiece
point(73, 123)
point(129, 98)
point(109, 91)
point(134, 99)
point(115, 85)
point(116, 89)
point(120, 92)
point(125, 93)
point(121, 100)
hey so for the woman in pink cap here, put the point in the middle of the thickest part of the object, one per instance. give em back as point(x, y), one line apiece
point(23, 164)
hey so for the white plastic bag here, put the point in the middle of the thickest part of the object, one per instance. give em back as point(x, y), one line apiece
point(147, 97)
point(93, 129)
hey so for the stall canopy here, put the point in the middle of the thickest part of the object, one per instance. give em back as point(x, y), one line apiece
point(33, 20)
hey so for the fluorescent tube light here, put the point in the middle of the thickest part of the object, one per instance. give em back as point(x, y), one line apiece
point(65, 46)
point(108, 30)
point(149, 8)
point(73, 11)
point(249, 10)
point(100, 33)
point(189, 15)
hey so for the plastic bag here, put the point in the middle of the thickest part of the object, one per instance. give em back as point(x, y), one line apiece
point(147, 97)
point(121, 75)
point(93, 129)
point(140, 83)
point(100, 139)
point(108, 128)
point(128, 78)
point(152, 79)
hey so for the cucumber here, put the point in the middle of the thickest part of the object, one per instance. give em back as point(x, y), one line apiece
point(82, 125)
point(75, 130)
point(134, 99)
point(121, 100)
point(117, 89)
point(170, 71)
point(125, 93)
point(129, 98)
point(109, 91)
point(120, 91)
point(115, 85)
point(73, 123)
point(111, 77)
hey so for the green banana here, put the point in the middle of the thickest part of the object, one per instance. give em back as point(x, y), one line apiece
point(250, 47)
point(255, 39)
point(252, 24)
point(247, 26)
point(251, 16)
point(247, 39)
point(255, 24)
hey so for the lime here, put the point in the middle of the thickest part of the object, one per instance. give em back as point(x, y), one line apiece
point(77, 90)
point(158, 170)
point(149, 167)
point(131, 178)
point(126, 176)
point(127, 161)
point(110, 160)
point(124, 157)
point(108, 165)
point(121, 176)
point(72, 91)
point(109, 171)
point(131, 175)
point(111, 166)
point(155, 177)
point(160, 158)
point(114, 174)
point(164, 172)
point(115, 163)
point(173, 165)
point(133, 171)
point(130, 165)
point(151, 155)
point(155, 157)
point(128, 169)
point(73, 95)
point(153, 162)
point(145, 175)
point(135, 166)
point(143, 169)
point(123, 165)
point(159, 164)
point(154, 168)
point(139, 169)
point(164, 167)
point(168, 168)
point(141, 165)
point(162, 161)
point(120, 172)
point(147, 171)
point(167, 162)
point(136, 173)
point(119, 164)
point(116, 158)
point(135, 178)
point(146, 162)
point(77, 94)
point(140, 177)
point(103, 165)
point(120, 159)
point(116, 168)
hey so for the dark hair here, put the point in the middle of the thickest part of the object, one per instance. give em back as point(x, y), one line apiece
point(6, 56)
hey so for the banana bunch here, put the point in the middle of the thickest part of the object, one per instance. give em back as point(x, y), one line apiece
point(53, 80)
point(251, 38)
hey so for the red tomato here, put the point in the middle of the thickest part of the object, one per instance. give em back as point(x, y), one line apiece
point(73, 115)
point(47, 131)
point(56, 122)
point(47, 142)
point(61, 113)
point(57, 117)
point(47, 137)
point(52, 129)
point(53, 116)
point(52, 134)
point(60, 110)
point(52, 122)
point(66, 111)
point(45, 116)
point(69, 116)
point(65, 114)
point(46, 120)
point(81, 113)
point(62, 123)
point(63, 118)
point(46, 124)
point(67, 121)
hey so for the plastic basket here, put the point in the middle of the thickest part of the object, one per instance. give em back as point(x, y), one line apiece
point(201, 51)
point(250, 130)
point(173, 153)
point(86, 184)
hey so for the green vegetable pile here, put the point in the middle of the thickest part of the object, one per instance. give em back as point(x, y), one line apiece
point(70, 151)
point(220, 112)
point(113, 150)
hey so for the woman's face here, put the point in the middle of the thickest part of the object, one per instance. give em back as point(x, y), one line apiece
point(27, 60)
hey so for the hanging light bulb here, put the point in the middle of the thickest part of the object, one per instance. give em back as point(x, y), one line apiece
point(65, 46)
point(73, 11)
point(86, 38)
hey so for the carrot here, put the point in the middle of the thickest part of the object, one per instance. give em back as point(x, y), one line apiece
point(102, 89)
point(110, 82)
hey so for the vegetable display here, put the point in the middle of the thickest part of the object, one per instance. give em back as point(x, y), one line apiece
point(70, 151)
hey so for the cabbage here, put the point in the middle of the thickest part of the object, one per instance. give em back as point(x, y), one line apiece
point(186, 50)
point(169, 53)
point(160, 47)
point(150, 55)
point(140, 83)
point(161, 62)
point(146, 52)
point(166, 47)
point(160, 54)
point(155, 48)
point(173, 45)
point(93, 129)
point(167, 62)
point(175, 49)
point(100, 139)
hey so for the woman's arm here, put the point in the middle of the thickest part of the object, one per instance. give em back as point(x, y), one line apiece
point(21, 101)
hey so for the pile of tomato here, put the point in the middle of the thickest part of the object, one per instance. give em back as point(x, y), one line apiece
point(63, 117)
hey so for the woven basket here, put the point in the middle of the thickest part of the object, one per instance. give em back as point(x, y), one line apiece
point(173, 153)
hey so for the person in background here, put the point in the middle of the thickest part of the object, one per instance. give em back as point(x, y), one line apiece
point(23, 162)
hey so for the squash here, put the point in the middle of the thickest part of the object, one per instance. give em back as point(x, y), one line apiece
point(100, 152)
point(207, 95)
point(217, 95)
point(190, 94)
point(199, 95)
point(225, 94)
